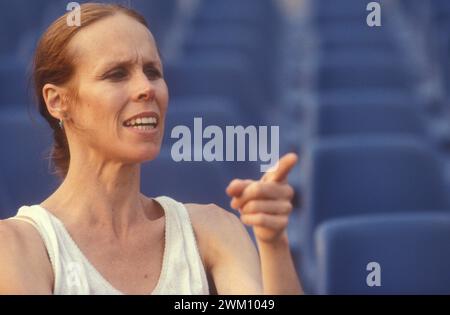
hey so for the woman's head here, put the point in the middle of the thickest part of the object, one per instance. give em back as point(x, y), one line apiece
point(95, 78)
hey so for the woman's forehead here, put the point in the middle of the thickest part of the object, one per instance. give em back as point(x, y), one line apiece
point(116, 38)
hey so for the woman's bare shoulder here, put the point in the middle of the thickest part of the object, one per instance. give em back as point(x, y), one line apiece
point(214, 223)
point(218, 231)
point(24, 264)
point(226, 247)
point(205, 215)
point(13, 239)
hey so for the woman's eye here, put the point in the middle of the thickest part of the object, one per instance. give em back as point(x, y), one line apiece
point(153, 74)
point(116, 75)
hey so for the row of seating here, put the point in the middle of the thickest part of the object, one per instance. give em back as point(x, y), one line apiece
point(357, 176)
point(374, 182)
point(29, 19)
point(384, 254)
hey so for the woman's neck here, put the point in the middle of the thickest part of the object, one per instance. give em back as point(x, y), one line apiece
point(106, 197)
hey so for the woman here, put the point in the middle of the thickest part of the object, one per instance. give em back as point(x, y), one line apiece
point(101, 88)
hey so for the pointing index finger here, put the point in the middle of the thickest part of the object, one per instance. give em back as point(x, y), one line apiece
point(281, 170)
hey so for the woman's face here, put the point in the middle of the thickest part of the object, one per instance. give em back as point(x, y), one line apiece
point(119, 77)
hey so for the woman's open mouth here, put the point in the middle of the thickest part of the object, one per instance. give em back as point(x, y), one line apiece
point(144, 123)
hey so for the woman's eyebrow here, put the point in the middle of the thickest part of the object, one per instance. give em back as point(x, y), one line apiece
point(128, 63)
point(105, 68)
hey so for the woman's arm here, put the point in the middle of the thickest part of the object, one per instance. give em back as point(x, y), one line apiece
point(22, 265)
point(266, 205)
point(230, 257)
point(278, 271)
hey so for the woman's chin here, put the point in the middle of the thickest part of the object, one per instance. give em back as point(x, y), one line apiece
point(144, 155)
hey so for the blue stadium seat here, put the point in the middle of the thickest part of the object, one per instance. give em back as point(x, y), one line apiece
point(327, 9)
point(336, 44)
point(14, 82)
point(225, 37)
point(213, 111)
point(341, 76)
point(363, 56)
point(354, 119)
point(223, 75)
point(25, 173)
point(411, 251)
point(351, 35)
point(370, 97)
point(441, 39)
point(187, 182)
point(159, 15)
point(234, 39)
point(20, 16)
point(366, 175)
point(257, 13)
point(344, 25)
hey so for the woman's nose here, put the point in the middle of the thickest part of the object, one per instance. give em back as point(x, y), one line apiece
point(145, 89)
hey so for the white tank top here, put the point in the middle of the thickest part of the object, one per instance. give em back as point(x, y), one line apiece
point(182, 269)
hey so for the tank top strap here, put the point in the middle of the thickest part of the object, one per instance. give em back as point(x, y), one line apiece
point(183, 251)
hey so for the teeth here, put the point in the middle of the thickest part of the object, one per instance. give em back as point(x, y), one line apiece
point(143, 120)
point(144, 127)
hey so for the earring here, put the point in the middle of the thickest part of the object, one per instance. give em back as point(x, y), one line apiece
point(61, 124)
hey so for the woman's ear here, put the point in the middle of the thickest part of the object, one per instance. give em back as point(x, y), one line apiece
point(55, 99)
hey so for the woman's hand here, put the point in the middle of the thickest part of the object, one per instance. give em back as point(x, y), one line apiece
point(266, 204)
